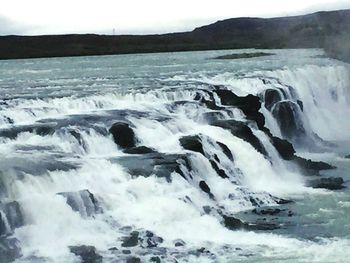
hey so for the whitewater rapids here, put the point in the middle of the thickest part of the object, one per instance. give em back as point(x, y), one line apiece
point(72, 185)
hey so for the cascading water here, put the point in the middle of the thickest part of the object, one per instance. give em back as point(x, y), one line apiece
point(164, 158)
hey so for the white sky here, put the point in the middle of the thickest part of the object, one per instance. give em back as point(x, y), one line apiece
point(140, 16)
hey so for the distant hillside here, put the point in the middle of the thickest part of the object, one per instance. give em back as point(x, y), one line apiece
point(338, 47)
point(318, 30)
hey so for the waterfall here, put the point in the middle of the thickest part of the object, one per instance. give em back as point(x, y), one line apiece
point(199, 160)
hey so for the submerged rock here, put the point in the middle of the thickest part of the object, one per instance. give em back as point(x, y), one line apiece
point(159, 164)
point(266, 211)
point(301, 105)
point(331, 183)
point(83, 202)
point(9, 249)
point(10, 217)
point(155, 259)
point(132, 240)
point(87, 254)
point(149, 240)
point(179, 243)
point(123, 135)
point(233, 223)
point(40, 129)
point(310, 167)
point(288, 116)
point(139, 150)
point(271, 97)
point(283, 147)
point(133, 260)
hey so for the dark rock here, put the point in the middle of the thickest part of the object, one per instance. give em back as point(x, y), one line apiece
point(9, 250)
point(86, 253)
point(241, 130)
point(79, 138)
point(200, 251)
point(126, 251)
point(126, 228)
point(311, 167)
point(216, 158)
point(133, 260)
point(40, 129)
point(205, 188)
point(132, 240)
point(192, 143)
point(155, 259)
point(271, 97)
point(149, 233)
point(213, 116)
point(264, 226)
point(151, 240)
point(301, 105)
point(347, 157)
point(283, 147)
point(44, 130)
point(10, 217)
point(281, 201)
point(139, 150)
point(83, 202)
point(159, 164)
point(331, 183)
point(288, 116)
point(174, 106)
point(233, 223)
point(267, 211)
point(225, 150)
point(203, 250)
point(123, 135)
point(253, 201)
point(250, 105)
point(210, 104)
point(207, 209)
point(219, 171)
point(179, 243)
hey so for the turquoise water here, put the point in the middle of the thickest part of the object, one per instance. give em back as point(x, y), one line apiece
point(155, 94)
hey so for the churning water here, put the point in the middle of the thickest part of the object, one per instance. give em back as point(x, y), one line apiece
point(69, 193)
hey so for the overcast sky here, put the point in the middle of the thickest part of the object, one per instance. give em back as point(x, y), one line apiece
point(31, 17)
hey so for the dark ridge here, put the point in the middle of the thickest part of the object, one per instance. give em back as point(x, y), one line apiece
point(244, 55)
point(316, 30)
point(331, 183)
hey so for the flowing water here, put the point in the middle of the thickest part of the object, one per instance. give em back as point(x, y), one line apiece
point(65, 183)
